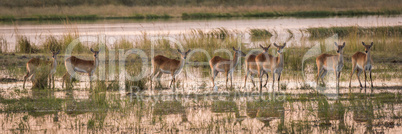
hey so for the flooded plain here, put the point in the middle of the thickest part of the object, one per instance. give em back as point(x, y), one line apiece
point(296, 105)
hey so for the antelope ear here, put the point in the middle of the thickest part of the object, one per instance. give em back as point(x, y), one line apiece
point(336, 44)
point(372, 43)
point(269, 46)
point(92, 50)
point(58, 52)
point(179, 50)
point(261, 46)
point(363, 44)
point(343, 44)
point(234, 49)
point(284, 45)
point(188, 51)
point(275, 45)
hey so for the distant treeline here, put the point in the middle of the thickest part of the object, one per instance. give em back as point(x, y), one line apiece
point(327, 3)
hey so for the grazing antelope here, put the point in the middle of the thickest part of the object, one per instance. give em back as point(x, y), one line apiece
point(269, 63)
point(219, 64)
point(328, 62)
point(251, 67)
point(362, 62)
point(74, 64)
point(34, 63)
point(164, 65)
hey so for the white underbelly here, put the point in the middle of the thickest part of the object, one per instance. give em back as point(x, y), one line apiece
point(165, 71)
point(79, 70)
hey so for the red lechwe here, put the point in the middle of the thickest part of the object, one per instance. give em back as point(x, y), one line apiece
point(164, 65)
point(328, 62)
point(362, 62)
point(74, 64)
point(269, 63)
point(34, 63)
point(219, 64)
point(252, 68)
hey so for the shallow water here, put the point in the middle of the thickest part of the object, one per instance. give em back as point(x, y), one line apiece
point(116, 30)
point(359, 112)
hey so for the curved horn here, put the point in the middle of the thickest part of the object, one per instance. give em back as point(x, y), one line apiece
point(275, 45)
point(284, 44)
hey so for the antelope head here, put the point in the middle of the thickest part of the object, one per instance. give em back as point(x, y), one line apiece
point(95, 53)
point(265, 48)
point(183, 54)
point(340, 48)
point(280, 48)
point(367, 47)
point(238, 52)
point(54, 54)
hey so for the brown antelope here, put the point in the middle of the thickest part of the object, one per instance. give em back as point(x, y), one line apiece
point(251, 67)
point(74, 64)
point(362, 62)
point(34, 63)
point(328, 62)
point(219, 64)
point(269, 63)
point(164, 65)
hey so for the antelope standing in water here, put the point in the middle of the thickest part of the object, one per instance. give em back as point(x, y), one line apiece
point(269, 63)
point(251, 67)
point(362, 62)
point(74, 64)
point(326, 62)
point(219, 64)
point(34, 63)
point(164, 65)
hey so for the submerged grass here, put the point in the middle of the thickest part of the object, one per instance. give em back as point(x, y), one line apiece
point(321, 32)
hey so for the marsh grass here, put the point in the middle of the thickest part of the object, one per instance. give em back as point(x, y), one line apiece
point(25, 46)
point(260, 33)
point(52, 44)
point(41, 78)
point(123, 44)
point(168, 107)
point(321, 32)
point(3, 45)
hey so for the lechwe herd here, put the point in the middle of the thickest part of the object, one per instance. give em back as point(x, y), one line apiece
point(259, 65)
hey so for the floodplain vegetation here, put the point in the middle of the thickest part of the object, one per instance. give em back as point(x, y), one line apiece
point(104, 109)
